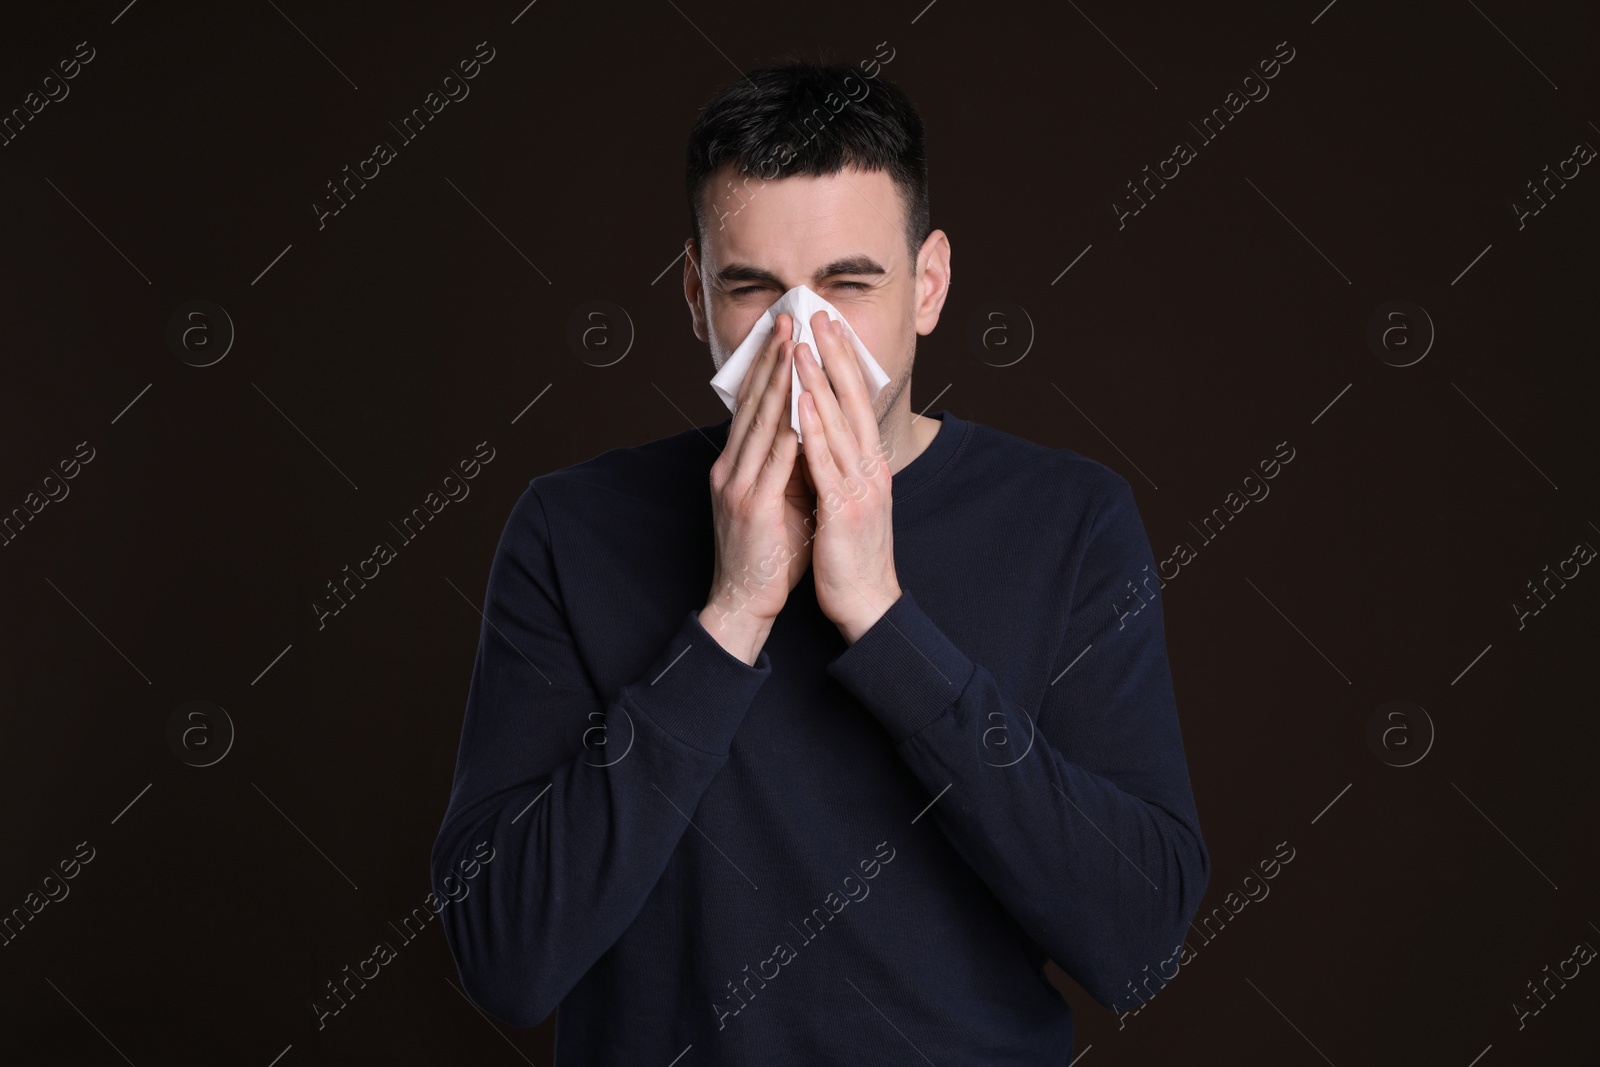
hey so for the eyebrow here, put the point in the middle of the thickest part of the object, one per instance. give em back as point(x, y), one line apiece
point(745, 272)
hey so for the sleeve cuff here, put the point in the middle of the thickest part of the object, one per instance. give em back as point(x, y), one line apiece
point(904, 669)
point(698, 691)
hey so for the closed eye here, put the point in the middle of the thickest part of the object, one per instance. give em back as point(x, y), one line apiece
point(836, 285)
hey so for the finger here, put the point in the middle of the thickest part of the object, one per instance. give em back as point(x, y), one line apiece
point(820, 460)
point(754, 379)
point(758, 444)
point(839, 438)
point(755, 382)
point(779, 467)
point(845, 377)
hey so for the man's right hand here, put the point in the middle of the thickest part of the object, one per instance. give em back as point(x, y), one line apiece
point(760, 506)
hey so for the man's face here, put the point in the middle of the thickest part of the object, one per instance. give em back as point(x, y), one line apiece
point(842, 235)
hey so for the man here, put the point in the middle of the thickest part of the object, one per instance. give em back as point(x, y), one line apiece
point(815, 754)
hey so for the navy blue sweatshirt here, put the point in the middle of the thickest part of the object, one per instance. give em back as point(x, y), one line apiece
point(844, 853)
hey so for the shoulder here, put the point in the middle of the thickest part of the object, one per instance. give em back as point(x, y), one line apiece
point(668, 473)
point(1071, 488)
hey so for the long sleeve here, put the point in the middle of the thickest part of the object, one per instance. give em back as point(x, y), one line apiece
point(1075, 810)
point(581, 796)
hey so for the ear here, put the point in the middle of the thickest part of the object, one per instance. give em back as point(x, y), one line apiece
point(693, 292)
point(933, 281)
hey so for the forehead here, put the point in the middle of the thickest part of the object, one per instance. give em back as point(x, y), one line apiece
point(800, 220)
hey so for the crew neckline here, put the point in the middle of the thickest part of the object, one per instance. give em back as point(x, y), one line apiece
point(914, 477)
point(910, 482)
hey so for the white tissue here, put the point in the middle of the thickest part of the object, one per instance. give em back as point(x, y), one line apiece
point(801, 303)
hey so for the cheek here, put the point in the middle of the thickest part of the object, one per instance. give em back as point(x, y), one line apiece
point(889, 347)
point(729, 327)
point(886, 322)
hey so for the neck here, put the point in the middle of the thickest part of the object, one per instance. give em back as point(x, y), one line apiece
point(905, 435)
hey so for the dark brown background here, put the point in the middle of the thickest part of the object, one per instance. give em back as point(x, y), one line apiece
point(1208, 330)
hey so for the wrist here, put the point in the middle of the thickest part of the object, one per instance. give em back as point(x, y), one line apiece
point(741, 634)
point(854, 629)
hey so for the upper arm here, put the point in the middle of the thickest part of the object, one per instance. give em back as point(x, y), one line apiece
point(529, 694)
point(1113, 710)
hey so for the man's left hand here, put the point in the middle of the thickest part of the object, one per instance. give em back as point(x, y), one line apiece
point(852, 555)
